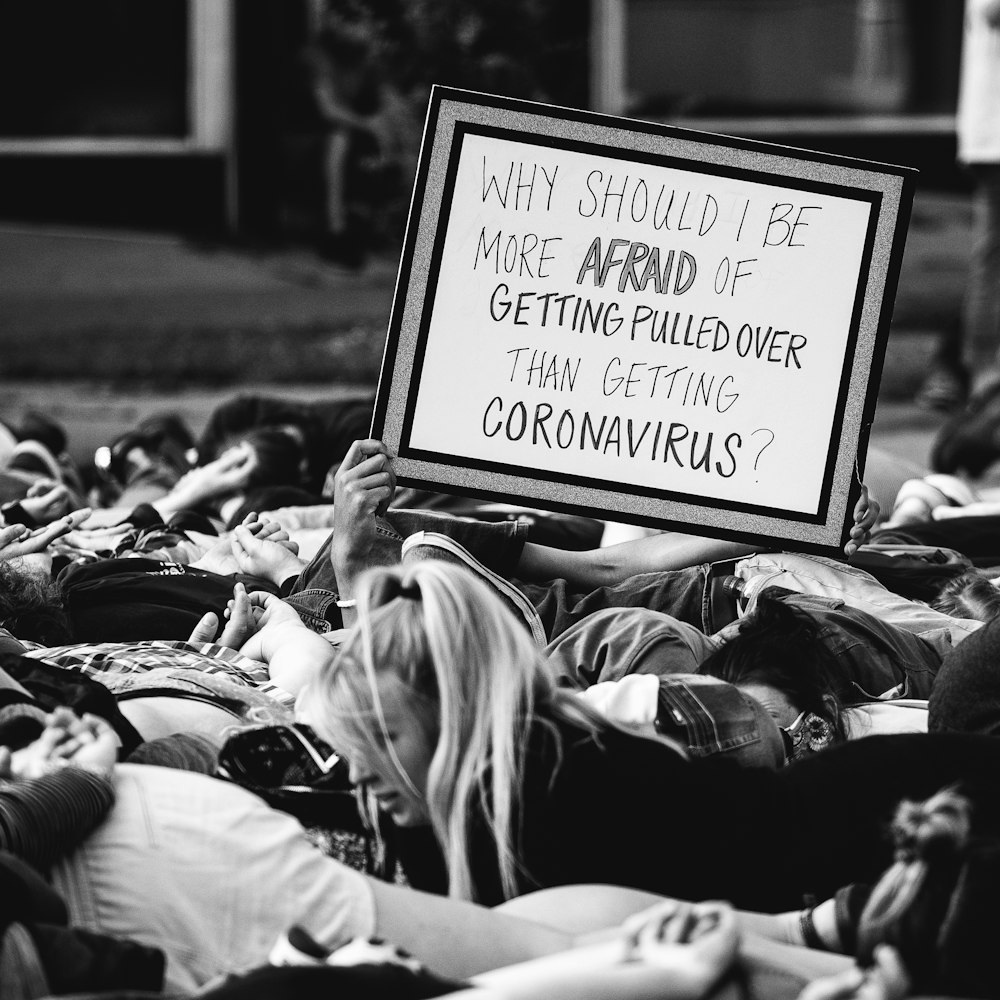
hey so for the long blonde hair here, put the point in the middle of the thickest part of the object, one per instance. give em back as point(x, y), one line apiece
point(476, 681)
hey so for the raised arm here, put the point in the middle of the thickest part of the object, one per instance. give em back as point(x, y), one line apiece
point(669, 550)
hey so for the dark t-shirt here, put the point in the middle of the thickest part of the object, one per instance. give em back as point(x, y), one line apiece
point(627, 811)
point(125, 600)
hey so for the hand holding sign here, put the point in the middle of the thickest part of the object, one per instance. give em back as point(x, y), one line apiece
point(363, 488)
point(866, 512)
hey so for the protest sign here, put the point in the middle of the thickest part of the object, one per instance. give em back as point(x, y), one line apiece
point(640, 323)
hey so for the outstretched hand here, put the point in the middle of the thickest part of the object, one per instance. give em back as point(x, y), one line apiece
point(17, 540)
point(866, 512)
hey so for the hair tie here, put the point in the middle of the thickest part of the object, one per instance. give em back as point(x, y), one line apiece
point(389, 587)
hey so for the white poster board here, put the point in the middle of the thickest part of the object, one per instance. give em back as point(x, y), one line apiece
point(640, 323)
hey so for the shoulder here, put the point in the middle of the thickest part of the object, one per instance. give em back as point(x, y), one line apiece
point(568, 753)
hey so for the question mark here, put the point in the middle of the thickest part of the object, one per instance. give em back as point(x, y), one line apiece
point(762, 430)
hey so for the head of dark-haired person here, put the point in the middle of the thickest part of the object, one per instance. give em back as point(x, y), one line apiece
point(31, 604)
point(779, 659)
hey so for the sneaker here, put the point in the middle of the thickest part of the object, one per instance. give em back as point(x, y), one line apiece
point(433, 545)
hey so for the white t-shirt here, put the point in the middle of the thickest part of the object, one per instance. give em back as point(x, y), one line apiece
point(886, 718)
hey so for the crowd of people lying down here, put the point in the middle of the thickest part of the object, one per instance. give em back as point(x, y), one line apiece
point(274, 726)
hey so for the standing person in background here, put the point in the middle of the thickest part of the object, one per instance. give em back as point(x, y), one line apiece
point(974, 346)
point(372, 132)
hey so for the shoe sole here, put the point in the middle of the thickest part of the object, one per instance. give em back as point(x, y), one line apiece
point(509, 593)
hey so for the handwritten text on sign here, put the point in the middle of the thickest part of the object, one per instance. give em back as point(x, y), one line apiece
point(639, 323)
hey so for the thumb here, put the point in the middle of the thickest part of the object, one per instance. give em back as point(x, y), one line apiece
point(243, 540)
point(206, 629)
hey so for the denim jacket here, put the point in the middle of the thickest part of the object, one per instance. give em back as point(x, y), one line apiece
point(314, 593)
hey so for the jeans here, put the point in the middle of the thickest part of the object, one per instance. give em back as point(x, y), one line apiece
point(682, 594)
point(315, 592)
point(877, 660)
point(619, 642)
point(826, 578)
point(705, 715)
point(209, 873)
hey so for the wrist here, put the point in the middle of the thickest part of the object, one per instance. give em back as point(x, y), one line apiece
point(347, 567)
point(807, 927)
point(286, 571)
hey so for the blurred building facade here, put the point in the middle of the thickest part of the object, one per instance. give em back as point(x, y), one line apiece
point(115, 111)
point(207, 115)
point(871, 78)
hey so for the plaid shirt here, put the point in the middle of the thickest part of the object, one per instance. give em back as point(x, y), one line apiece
point(113, 663)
